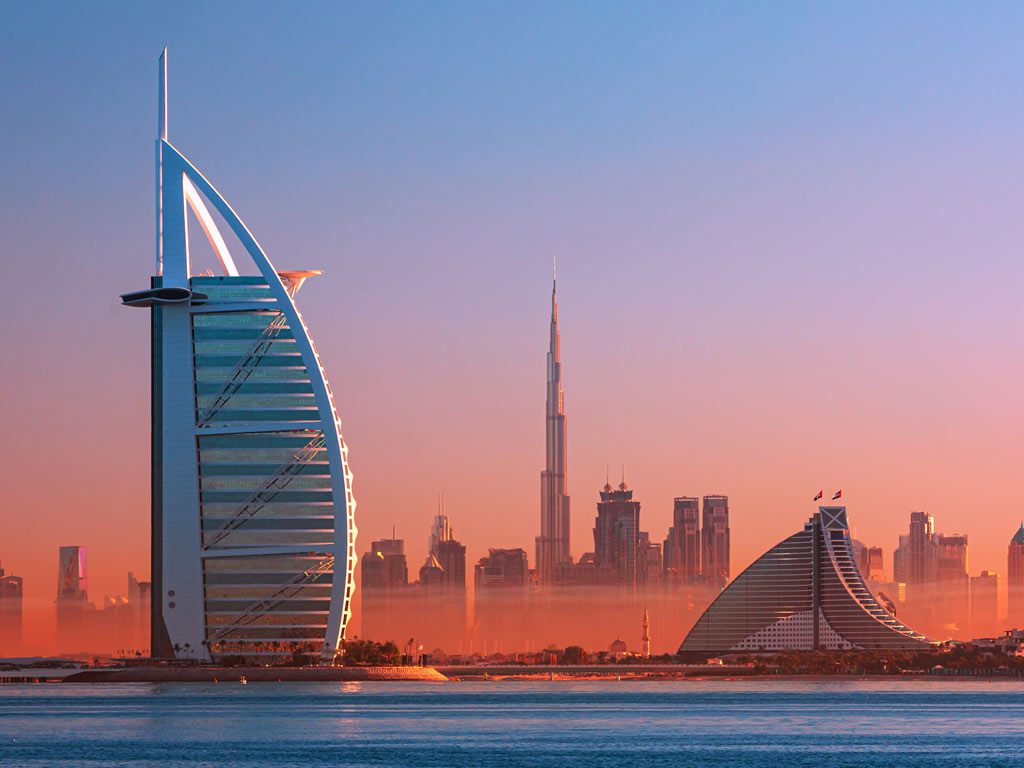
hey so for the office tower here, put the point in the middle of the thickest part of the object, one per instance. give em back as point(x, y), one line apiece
point(1015, 580)
point(452, 557)
point(805, 593)
point(385, 566)
point(11, 600)
point(617, 537)
point(947, 565)
point(681, 553)
point(715, 540)
point(922, 528)
point(442, 587)
point(985, 604)
point(440, 529)
point(450, 554)
point(502, 569)
point(650, 559)
point(901, 561)
point(387, 610)
point(72, 600)
point(876, 564)
point(432, 576)
point(252, 507)
point(553, 542)
point(501, 579)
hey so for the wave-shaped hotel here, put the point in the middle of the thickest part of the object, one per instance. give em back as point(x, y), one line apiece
point(805, 593)
point(252, 511)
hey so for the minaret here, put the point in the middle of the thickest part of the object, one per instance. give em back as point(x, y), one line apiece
point(646, 636)
point(553, 542)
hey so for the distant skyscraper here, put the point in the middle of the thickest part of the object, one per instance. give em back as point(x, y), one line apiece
point(253, 549)
point(450, 554)
point(440, 529)
point(385, 566)
point(452, 557)
point(432, 576)
point(901, 560)
point(502, 569)
point(72, 599)
point(501, 580)
point(1015, 580)
point(681, 554)
point(553, 542)
point(984, 603)
point(876, 564)
point(384, 591)
point(922, 528)
point(948, 564)
point(715, 540)
point(11, 601)
point(617, 537)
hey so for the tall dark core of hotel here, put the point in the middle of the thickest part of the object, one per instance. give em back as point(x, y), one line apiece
point(805, 593)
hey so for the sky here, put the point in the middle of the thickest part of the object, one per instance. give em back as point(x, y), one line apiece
point(787, 239)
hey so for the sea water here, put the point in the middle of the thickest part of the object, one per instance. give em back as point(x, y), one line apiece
point(833, 722)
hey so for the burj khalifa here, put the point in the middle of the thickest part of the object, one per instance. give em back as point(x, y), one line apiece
point(553, 542)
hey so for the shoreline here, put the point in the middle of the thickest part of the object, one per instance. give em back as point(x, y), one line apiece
point(255, 674)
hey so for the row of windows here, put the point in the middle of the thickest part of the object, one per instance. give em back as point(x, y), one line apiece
point(224, 469)
point(277, 509)
point(282, 496)
point(297, 480)
point(273, 524)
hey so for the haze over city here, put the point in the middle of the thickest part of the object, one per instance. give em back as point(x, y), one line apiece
point(785, 263)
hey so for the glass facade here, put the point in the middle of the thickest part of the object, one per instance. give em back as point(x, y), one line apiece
point(259, 489)
point(805, 593)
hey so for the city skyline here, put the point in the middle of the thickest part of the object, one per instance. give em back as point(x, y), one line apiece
point(738, 290)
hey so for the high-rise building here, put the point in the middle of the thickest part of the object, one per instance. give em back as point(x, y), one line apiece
point(253, 524)
point(432, 576)
point(681, 553)
point(617, 537)
point(502, 569)
point(385, 566)
point(501, 579)
point(901, 561)
point(715, 540)
point(984, 603)
point(922, 528)
point(553, 542)
point(805, 593)
point(1015, 580)
point(387, 602)
point(450, 554)
point(11, 600)
point(876, 564)
point(947, 565)
point(72, 600)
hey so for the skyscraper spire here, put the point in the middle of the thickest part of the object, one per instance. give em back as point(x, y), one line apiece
point(553, 542)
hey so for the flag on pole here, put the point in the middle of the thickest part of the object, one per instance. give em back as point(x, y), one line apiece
point(838, 494)
point(820, 494)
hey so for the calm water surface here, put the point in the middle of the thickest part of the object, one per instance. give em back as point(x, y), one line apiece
point(592, 724)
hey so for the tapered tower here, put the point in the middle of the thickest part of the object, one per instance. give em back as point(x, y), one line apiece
point(553, 542)
point(253, 529)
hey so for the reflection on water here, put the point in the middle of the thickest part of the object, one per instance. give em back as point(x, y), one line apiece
point(592, 724)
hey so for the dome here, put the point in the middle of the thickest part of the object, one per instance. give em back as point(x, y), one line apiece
point(618, 646)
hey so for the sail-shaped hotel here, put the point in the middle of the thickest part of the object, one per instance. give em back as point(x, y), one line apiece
point(253, 529)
